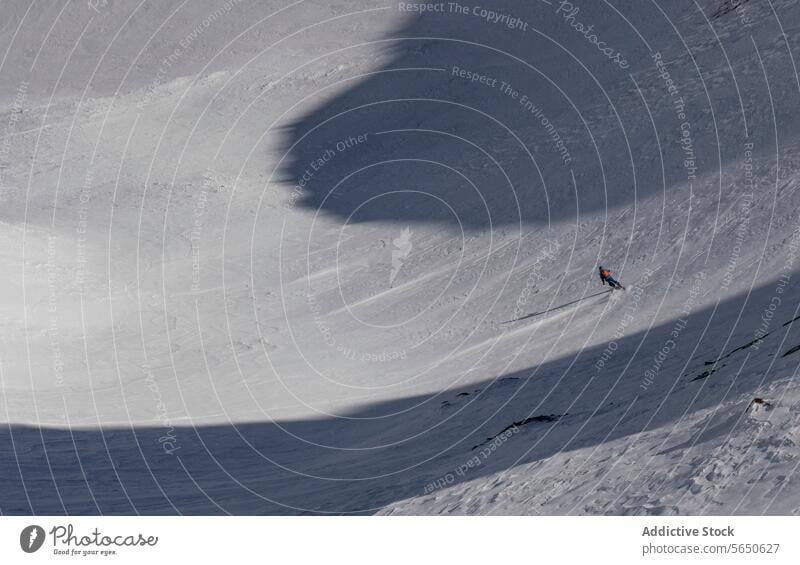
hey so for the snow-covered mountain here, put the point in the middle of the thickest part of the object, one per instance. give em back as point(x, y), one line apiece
point(341, 257)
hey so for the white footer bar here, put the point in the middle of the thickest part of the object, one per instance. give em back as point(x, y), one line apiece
point(381, 540)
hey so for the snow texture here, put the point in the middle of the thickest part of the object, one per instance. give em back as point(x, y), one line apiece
point(331, 257)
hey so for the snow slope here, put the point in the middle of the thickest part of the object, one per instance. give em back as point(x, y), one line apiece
point(340, 257)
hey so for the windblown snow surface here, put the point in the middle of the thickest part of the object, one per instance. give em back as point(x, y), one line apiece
point(273, 257)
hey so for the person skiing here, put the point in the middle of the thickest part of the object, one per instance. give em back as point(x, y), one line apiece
point(605, 277)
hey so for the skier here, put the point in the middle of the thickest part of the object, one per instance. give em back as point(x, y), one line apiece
point(605, 276)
